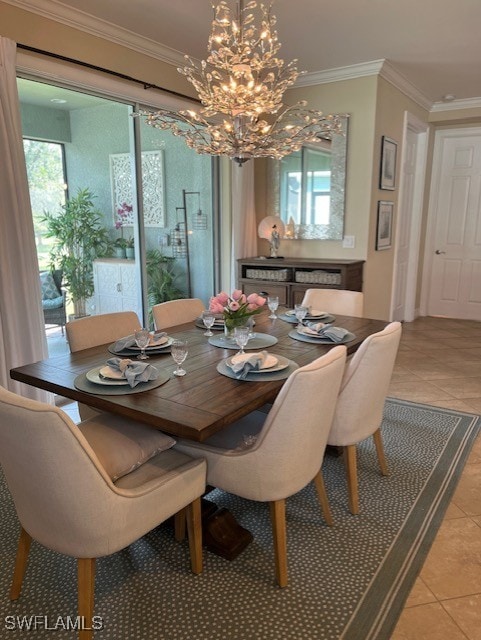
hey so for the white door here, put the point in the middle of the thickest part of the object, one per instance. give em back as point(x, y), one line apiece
point(408, 227)
point(454, 231)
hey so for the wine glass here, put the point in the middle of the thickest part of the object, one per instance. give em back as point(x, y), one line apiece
point(208, 318)
point(273, 303)
point(179, 351)
point(142, 339)
point(241, 337)
point(301, 313)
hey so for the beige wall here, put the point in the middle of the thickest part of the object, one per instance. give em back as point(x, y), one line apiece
point(375, 106)
point(391, 106)
point(358, 99)
point(32, 30)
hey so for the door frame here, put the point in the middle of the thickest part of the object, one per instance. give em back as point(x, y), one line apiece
point(429, 244)
point(421, 129)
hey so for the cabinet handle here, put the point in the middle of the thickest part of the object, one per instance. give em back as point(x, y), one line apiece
point(119, 287)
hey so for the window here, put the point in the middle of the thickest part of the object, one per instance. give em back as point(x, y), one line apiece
point(47, 185)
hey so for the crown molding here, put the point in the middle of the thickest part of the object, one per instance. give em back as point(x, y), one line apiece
point(454, 105)
point(373, 68)
point(392, 75)
point(77, 19)
point(340, 73)
point(55, 10)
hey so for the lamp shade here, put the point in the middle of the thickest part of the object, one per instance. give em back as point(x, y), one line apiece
point(268, 224)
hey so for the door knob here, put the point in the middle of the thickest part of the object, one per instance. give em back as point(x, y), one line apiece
point(438, 253)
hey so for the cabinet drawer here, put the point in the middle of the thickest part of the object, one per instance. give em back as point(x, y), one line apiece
point(267, 289)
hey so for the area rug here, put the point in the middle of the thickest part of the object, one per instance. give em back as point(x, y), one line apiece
point(346, 582)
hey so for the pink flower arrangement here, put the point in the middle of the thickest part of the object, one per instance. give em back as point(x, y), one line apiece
point(122, 214)
point(237, 305)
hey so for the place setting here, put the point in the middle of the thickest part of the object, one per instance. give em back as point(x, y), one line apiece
point(210, 321)
point(257, 367)
point(120, 376)
point(300, 313)
point(321, 333)
point(141, 344)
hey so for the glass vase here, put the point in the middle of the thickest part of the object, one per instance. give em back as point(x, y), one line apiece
point(231, 323)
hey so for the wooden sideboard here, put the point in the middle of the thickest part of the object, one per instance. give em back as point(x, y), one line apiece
point(289, 278)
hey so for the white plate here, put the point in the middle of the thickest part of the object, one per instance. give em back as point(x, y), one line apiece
point(159, 345)
point(94, 376)
point(308, 331)
point(281, 363)
point(110, 374)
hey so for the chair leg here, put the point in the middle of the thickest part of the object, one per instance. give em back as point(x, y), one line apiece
point(351, 470)
point(23, 549)
point(278, 520)
point(323, 499)
point(86, 589)
point(380, 452)
point(194, 530)
point(179, 525)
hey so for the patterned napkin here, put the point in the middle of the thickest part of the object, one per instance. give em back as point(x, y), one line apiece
point(133, 371)
point(242, 364)
point(322, 330)
point(156, 339)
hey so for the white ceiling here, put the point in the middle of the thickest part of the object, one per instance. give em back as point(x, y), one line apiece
point(434, 44)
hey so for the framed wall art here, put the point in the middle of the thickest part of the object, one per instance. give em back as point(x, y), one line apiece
point(385, 212)
point(152, 186)
point(387, 177)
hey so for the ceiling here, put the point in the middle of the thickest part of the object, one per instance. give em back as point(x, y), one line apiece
point(434, 44)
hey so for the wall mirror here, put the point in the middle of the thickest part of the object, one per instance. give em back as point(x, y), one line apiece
point(307, 188)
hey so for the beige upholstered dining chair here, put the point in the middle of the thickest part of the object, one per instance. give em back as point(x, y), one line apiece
point(346, 303)
point(91, 500)
point(92, 331)
point(173, 312)
point(288, 449)
point(359, 409)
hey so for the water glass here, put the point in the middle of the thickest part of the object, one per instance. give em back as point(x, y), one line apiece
point(179, 351)
point(273, 303)
point(208, 318)
point(241, 337)
point(301, 313)
point(142, 339)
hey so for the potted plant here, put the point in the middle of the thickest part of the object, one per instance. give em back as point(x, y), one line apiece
point(160, 279)
point(123, 215)
point(129, 249)
point(79, 237)
point(120, 246)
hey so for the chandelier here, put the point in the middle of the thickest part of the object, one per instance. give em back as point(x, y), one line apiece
point(241, 86)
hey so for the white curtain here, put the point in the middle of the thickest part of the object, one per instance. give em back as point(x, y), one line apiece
point(244, 224)
point(22, 335)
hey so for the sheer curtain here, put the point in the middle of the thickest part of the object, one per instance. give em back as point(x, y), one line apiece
point(22, 336)
point(244, 224)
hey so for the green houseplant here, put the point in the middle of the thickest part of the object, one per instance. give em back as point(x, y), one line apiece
point(79, 237)
point(160, 279)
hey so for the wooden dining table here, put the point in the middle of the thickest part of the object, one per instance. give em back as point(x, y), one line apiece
point(203, 401)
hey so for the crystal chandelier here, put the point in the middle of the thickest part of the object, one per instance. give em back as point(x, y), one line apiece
point(241, 87)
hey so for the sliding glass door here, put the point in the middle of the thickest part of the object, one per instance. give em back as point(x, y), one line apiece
point(126, 209)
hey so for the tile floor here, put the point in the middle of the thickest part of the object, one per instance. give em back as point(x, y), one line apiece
point(439, 363)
